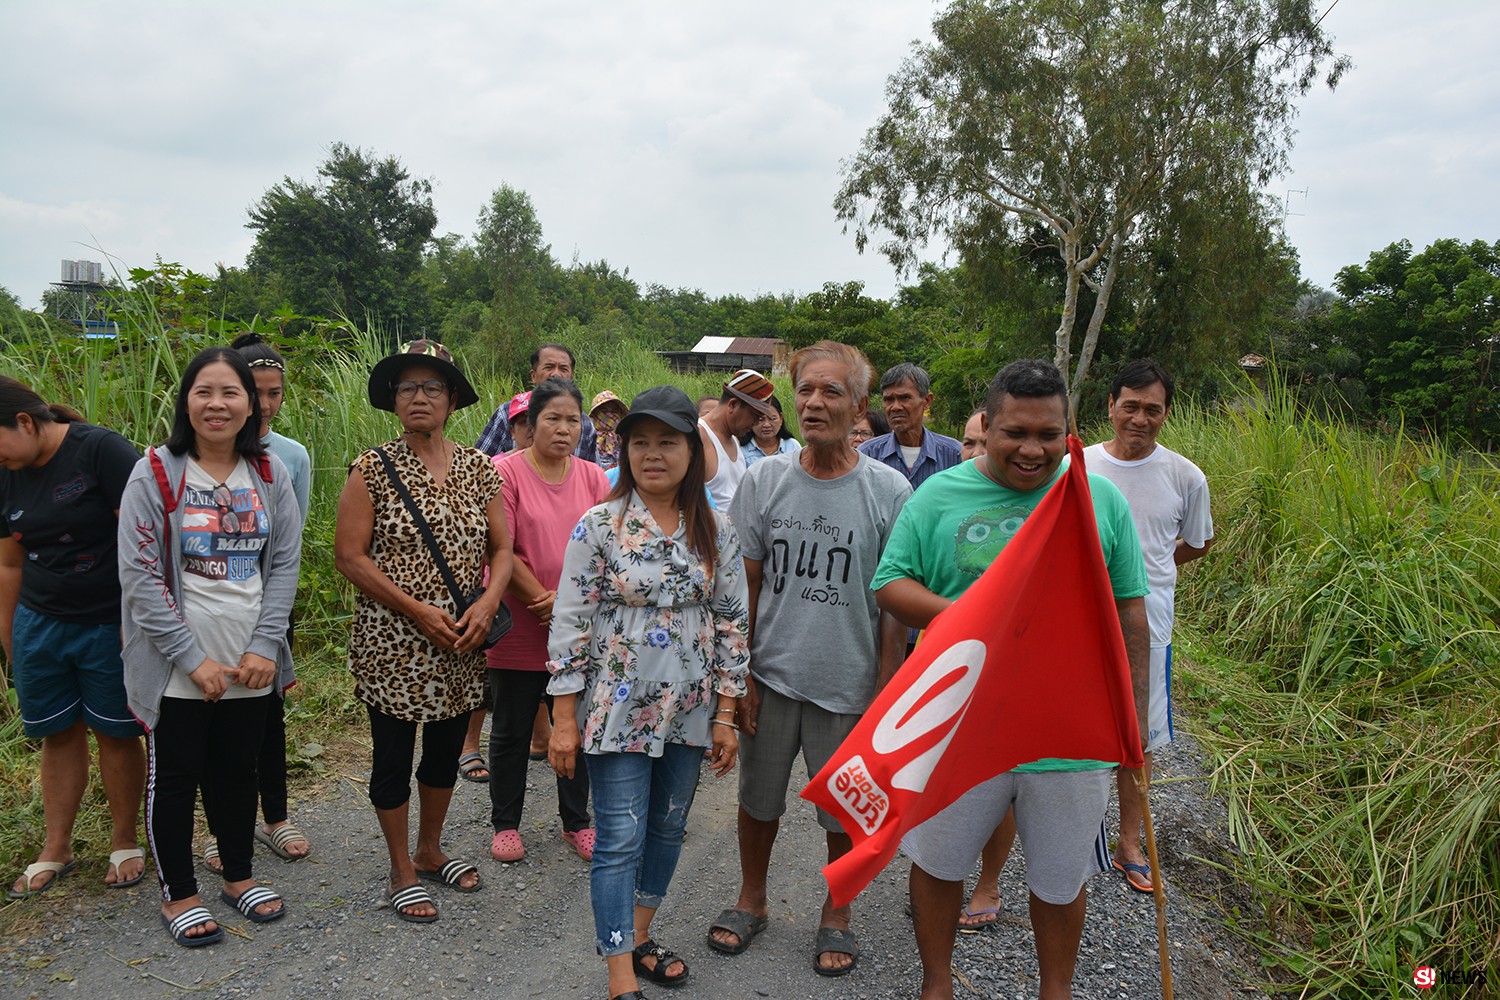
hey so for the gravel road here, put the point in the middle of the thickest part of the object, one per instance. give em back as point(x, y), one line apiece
point(529, 932)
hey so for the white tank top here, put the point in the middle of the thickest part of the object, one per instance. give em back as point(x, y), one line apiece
point(731, 470)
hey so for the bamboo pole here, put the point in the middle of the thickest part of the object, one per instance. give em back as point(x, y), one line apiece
point(1142, 786)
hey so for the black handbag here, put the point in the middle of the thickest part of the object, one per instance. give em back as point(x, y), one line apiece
point(500, 624)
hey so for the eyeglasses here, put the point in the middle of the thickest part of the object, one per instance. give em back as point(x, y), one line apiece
point(859, 435)
point(229, 521)
point(433, 388)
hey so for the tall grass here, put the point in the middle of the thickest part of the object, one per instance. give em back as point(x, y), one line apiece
point(1345, 633)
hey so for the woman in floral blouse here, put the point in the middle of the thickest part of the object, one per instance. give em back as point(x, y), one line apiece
point(648, 654)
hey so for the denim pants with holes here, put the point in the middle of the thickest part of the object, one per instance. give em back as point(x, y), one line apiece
point(641, 806)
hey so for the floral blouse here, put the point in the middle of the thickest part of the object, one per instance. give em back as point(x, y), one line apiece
point(646, 632)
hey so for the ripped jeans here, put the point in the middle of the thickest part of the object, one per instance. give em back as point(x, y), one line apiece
point(641, 805)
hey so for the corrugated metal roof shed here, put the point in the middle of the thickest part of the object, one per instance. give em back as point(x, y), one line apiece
point(713, 345)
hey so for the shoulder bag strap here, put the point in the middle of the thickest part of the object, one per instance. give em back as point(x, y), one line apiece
point(169, 502)
point(459, 600)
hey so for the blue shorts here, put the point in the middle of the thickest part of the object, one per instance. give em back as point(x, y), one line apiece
point(65, 671)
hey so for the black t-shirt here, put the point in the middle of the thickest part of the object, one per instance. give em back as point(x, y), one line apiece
point(63, 515)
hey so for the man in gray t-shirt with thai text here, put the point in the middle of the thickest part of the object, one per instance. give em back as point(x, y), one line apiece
point(812, 526)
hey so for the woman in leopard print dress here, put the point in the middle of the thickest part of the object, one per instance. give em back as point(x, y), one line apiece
point(414, 654)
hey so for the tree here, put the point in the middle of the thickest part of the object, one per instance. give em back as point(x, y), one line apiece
point(1428, 327)
point(1219, 270)
point(350, 242)
point(513, 257)
point(1083, 120)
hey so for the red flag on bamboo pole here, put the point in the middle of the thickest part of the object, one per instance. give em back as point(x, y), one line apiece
point(1028, 663)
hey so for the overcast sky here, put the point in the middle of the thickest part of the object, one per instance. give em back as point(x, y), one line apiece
point(696, 144)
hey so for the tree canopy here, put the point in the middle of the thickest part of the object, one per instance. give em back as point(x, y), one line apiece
point(1427, 327)
point(350, 242)
point(1082, 123)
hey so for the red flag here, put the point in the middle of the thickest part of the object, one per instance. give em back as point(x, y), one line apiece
point(1028, 663)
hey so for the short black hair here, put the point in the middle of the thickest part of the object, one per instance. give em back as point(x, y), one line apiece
point(536, 355)
point(1029, 378)
point(1140, 374)
point(183, 439)
point(546, 391)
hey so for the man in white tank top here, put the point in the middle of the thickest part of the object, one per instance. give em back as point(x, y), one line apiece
point(746, 397)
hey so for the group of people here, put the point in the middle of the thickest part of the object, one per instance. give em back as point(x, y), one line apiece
point(631, 590)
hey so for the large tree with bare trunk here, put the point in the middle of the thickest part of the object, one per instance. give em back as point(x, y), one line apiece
point(1084, 120)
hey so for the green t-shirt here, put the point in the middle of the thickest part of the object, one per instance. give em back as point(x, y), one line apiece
point(956, 524)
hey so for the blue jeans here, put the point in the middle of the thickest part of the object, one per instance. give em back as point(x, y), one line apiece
point(634, 860)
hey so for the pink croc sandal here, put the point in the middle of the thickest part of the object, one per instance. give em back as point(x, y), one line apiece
point(507, 846)
point(581, 841)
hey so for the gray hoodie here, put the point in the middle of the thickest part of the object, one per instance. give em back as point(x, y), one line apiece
point(156, 639)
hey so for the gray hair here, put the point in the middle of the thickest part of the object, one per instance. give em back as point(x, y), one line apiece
point(906, 372)
point(861, 372)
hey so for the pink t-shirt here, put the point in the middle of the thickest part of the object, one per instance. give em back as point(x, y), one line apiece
point(541, 516)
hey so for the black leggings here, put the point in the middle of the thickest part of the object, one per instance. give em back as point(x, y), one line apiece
point(212, 745)
point(395, 744)
point(516, 694)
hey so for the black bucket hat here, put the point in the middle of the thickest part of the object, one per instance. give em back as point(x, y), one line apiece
point(418, 352)
point(666, 403)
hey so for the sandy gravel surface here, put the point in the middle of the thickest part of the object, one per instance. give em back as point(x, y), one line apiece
point(529, 932)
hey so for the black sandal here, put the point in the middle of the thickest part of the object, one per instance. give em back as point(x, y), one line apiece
point(658, 973)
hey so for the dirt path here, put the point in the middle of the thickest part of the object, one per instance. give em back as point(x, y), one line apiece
point(529, 933)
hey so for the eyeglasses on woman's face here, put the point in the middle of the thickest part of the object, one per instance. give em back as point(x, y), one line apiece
point(433, 388)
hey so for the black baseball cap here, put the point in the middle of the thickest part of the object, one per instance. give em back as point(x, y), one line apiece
point(666, 403)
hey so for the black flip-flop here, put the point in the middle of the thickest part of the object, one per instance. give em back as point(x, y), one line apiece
point(742, 924)
point(469, 766)
point(835, 940)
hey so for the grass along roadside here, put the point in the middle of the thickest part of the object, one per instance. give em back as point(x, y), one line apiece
point(1345, 664)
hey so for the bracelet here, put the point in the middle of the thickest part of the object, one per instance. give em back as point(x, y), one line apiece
point(731, 725)
point(719, 711)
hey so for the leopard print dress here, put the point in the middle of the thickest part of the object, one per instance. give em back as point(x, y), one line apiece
point(396, 668)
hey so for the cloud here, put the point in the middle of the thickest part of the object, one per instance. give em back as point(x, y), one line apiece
point(696, 144)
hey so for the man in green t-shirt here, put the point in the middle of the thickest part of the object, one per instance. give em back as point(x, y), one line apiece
point(947, 535)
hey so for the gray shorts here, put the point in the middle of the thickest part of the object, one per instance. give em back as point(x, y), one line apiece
point(784, 727)
point(1059, 820)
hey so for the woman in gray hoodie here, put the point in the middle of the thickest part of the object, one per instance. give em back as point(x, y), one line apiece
point(210, 541)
